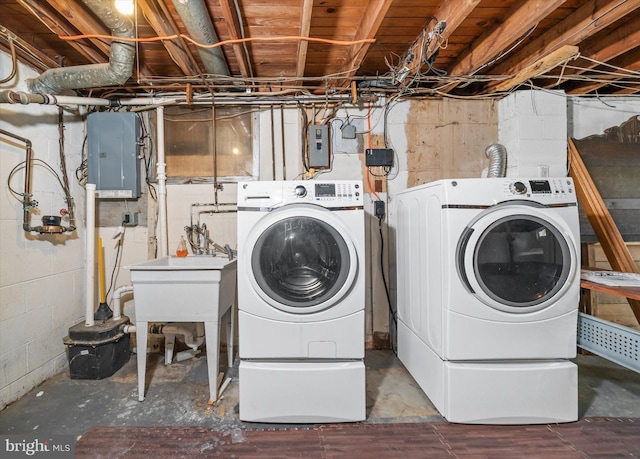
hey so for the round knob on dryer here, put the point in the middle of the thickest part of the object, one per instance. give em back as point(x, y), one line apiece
point(518, 188)
point(301, 191)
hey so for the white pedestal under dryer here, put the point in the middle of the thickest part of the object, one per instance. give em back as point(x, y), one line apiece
point(301, 297)
point(488, 289)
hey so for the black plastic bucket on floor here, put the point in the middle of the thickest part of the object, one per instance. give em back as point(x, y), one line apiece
point(97, 352)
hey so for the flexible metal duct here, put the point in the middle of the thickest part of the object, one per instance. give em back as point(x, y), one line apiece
point(197, 21)
point(497, 155)
point(117, 71)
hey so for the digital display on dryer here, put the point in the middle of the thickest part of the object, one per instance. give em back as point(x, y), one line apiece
point(325, 190)
point(540, 186)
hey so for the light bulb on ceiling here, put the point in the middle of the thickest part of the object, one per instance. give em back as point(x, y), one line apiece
point(125, 6)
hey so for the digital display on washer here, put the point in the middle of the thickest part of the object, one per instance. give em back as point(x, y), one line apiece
point(540, 186)
point(325, 190)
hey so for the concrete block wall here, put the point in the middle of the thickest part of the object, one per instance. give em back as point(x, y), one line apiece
point(533, 128)
point(41, 276)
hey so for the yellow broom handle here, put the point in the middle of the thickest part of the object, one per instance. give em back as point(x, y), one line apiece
point(101, 269)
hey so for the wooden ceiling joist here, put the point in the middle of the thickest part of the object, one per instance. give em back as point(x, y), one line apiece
point(520, 19)
point(591, 17)
point(629, 61)
point(450, 15)
point(235, 32)
point(82, 20)
point(27, 53)
point(367, 29)
point(58, 25)
point(605, 48)
point(540, 67)
point(303, 46)
point(160, 20)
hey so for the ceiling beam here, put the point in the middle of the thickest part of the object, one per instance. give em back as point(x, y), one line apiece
point(367, 29)
point(488, 46)
point(162, 23)
point(303, 45)
point(540, 67)
point(230, 16)
point(81, 20)
point(448, 18)
point(59, 26)
point(629, 61)
point(603, 49)
point(26, 52)
point(590, 18)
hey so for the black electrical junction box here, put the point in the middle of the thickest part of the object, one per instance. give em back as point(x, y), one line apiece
point(379, 157)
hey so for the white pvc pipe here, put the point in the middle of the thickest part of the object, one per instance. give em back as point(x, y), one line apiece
point(117, 309)
point(163, 239)
point(91, 253)
point(194, 342)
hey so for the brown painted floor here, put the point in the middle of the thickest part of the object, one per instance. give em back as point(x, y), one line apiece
point(588, 438)
point(177, 397)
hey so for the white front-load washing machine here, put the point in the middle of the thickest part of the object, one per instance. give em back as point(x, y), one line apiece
point(301, 296)
point(488, 279)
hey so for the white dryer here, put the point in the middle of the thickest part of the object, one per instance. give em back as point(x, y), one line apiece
point(301, 296)
point(488, 290)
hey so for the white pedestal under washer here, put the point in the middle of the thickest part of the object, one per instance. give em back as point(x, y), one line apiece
point(488, 274)
point(301, 295)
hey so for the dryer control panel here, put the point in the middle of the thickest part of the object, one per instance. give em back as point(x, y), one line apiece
point(537, 187)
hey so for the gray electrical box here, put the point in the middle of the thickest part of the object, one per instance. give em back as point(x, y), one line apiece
point(318, 145)
point(113, 141)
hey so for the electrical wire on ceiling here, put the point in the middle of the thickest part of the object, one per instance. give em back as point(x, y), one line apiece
point(219, 43)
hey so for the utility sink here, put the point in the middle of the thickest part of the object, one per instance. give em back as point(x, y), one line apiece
point(185, 289)
point(190, 262)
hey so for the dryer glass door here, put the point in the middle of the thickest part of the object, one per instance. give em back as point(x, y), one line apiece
point(301, 262)
point(518, 262)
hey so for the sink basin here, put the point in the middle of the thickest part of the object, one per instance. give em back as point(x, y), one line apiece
point(188, 289)
point(190, 262)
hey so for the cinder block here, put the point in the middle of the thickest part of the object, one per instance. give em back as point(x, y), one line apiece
point(14, 365)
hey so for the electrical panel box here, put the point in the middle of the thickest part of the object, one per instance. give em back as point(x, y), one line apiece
point(113, 162)
point(379, 157)
point(318, 145)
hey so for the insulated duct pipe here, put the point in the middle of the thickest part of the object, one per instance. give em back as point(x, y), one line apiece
point(197, 21)
point(117, 71)
point(497, 155)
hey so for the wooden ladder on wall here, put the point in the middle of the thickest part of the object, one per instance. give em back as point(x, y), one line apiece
point(600, 218)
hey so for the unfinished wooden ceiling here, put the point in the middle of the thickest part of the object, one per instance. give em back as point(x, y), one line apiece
point(429, 47)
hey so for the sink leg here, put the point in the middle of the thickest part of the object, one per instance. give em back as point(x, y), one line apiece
point(141, 349)
point(213, 349)
point(230, 334)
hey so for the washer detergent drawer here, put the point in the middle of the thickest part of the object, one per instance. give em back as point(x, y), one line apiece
point(302, 392)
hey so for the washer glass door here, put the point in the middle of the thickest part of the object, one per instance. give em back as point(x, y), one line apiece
point(515, 262)
point(301, 262)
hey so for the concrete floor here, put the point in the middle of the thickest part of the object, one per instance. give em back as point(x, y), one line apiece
point(177, 395)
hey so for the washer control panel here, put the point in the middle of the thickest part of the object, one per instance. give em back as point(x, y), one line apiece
point(318, 192)
point(327, 193)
